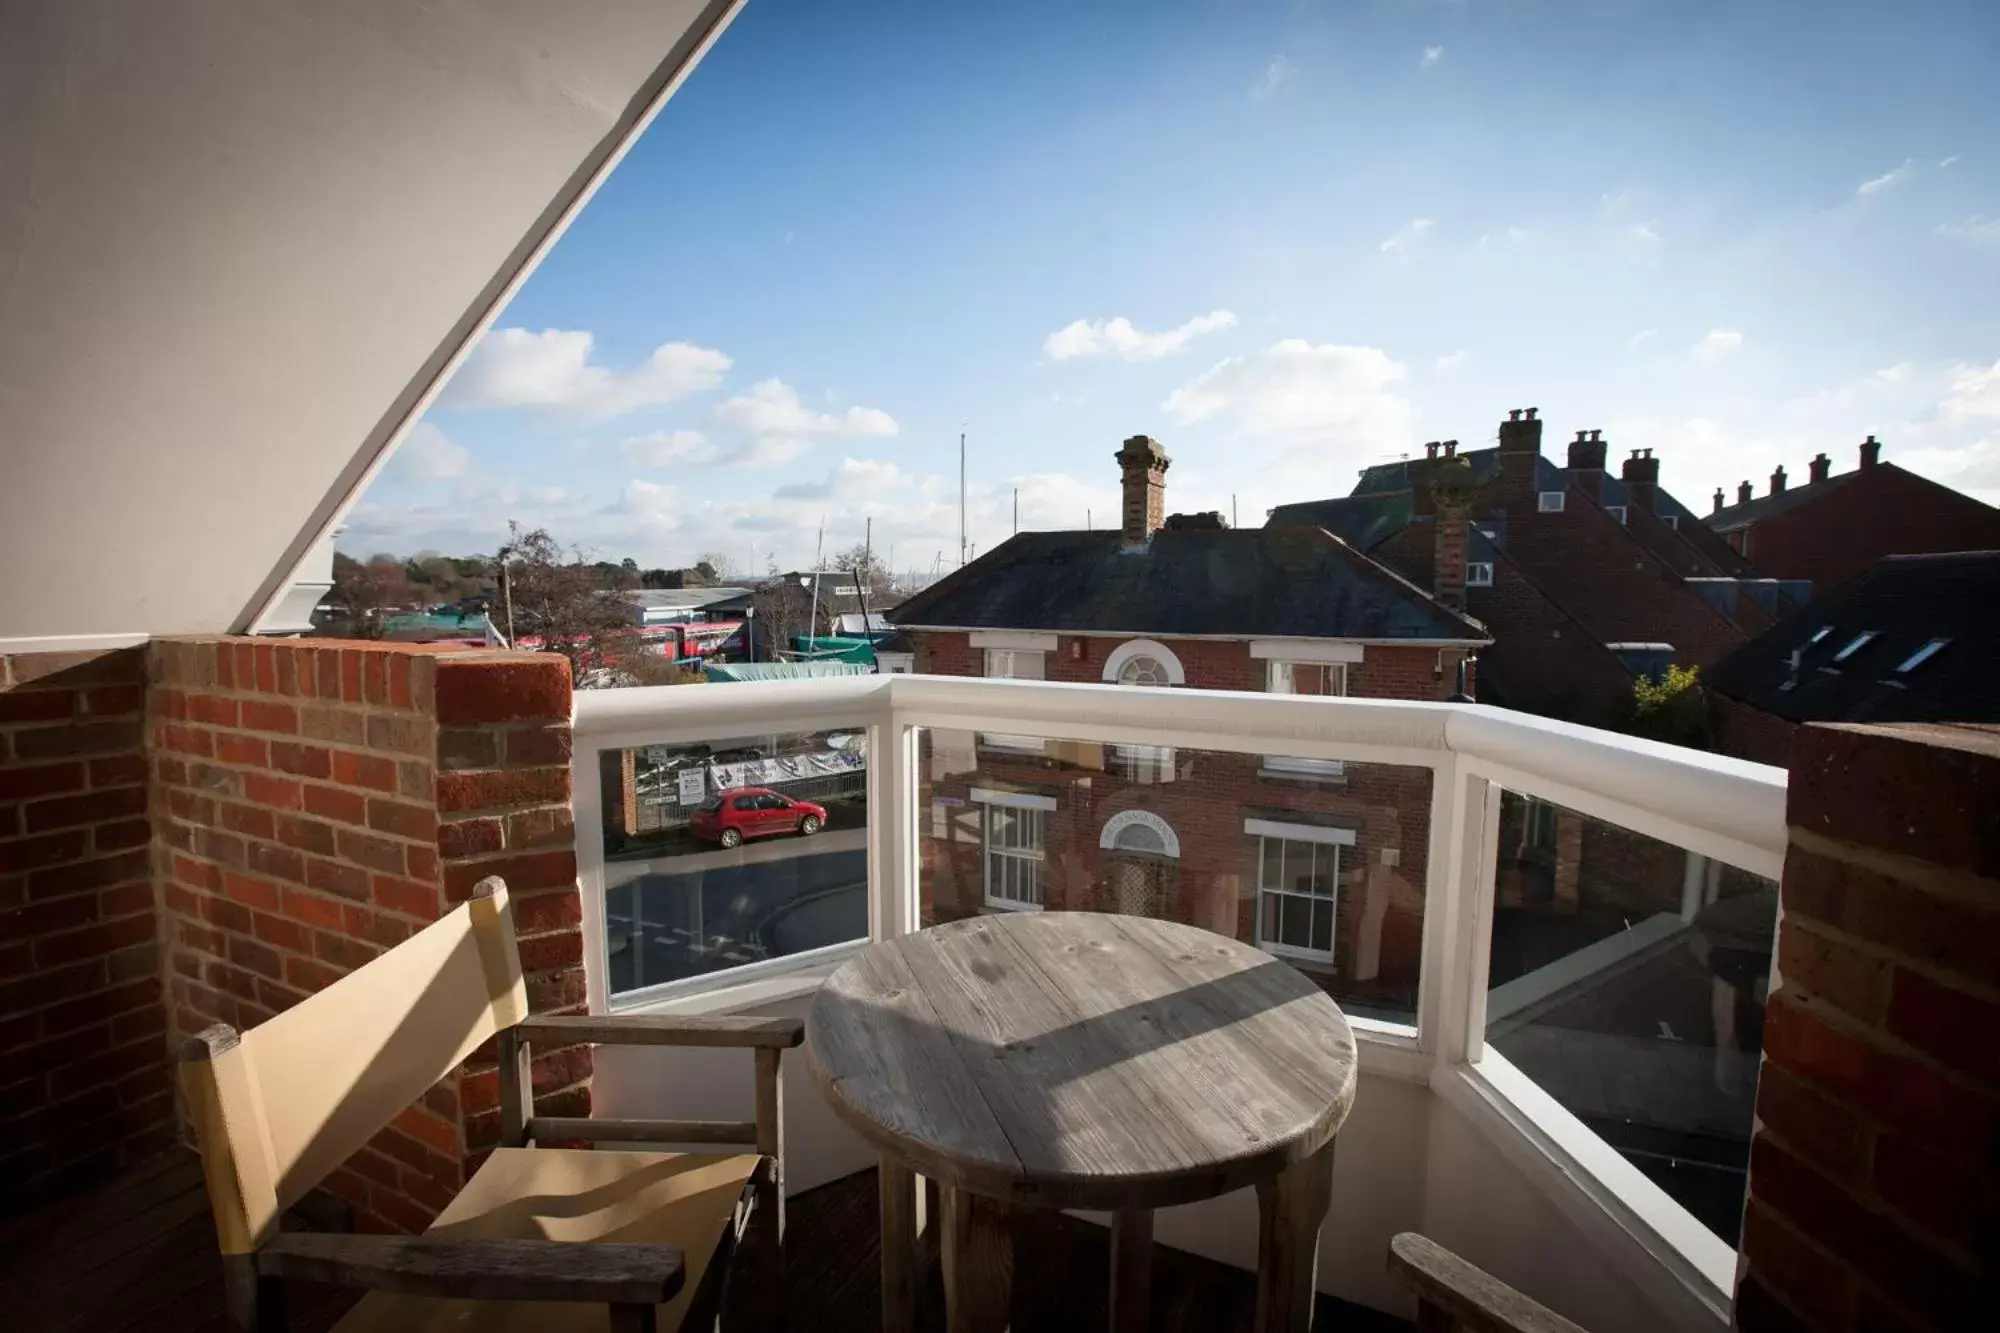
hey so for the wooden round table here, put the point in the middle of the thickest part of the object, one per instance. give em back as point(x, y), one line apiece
point(1083, 1060)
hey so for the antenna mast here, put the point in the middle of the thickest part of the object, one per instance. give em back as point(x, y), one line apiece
point(961, 499)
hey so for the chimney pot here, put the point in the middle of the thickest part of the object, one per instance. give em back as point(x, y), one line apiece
point(1778, 482)
point(1595, 436)
point(1430, 448)
point(1514, 414)
point(1718, 500)
point(1144, 465)
point(1819, 468)
point(1743, 492)
point(1871, 453)
point(1451, 448)
point(1531, 413)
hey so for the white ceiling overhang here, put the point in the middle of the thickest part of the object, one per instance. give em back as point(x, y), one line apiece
point(240, 246)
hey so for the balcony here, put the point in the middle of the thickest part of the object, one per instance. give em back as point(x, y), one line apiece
point(1554, 943)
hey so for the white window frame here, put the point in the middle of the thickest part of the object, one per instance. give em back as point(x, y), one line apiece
point(1291, 766)
point(1268, 832)
point(1479, 573)
point(1024, 804)
point(1549, 502)
point(1007, 652)
point(1616, 511)
point(1671, 520)
point(1132, 649)
point(1145, 763)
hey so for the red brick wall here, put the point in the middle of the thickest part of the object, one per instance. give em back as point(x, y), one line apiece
point(1831, 538)
point(1874, 1190)
point(84, 1086)
point(316, 803)
point(1378, 936)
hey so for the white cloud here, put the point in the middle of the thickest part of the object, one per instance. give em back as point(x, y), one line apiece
point(1295, 391)
point(1888, 179)
point(1407, 236)
point(1511, 236)
point(861, 478)
point(1642, 336)
point(1120, 338)
point(1451, 361)
point(553, 370)
point(1276, 75)
point(1979, 229)
point(667, 448)
point(1718, 345)
point(1974, 393)
point(1948, 161)
point(1643, 232)
point(428, 455)
point(1612, 204)
point(772, 410)
point(1431, 56)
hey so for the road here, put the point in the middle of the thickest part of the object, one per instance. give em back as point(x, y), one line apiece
point(676, 916)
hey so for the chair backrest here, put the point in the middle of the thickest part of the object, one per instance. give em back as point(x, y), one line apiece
point(276, 1108)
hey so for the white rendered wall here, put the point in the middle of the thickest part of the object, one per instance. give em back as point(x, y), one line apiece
point(238, 243)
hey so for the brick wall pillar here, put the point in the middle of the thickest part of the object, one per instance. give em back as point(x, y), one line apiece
point(316, 802)
point(83, 1080)
point(1873, 1187)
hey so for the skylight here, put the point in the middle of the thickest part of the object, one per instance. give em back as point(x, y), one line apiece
point(1822, 632)
point(1856, 644)
point(1921, 656)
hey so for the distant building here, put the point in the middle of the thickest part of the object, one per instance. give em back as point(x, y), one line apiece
point(1318, 861)
point(671, 606)
point(1915, 639)
point(1587, 581)
point(1837, 525)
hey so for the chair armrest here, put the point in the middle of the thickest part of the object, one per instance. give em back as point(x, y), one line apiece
point(665, 1030)
point(505, 1270)
point(1474, 1299)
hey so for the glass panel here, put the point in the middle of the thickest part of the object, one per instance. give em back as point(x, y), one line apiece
point(1225, 847)
point(1628, 979)
point(702, 876)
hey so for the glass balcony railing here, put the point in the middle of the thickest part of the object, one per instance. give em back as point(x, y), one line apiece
point(1564, 933)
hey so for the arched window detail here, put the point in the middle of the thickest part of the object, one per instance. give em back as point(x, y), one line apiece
point(1142, 833)
point(1144, 662)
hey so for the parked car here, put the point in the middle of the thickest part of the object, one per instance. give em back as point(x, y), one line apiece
point(754, 812)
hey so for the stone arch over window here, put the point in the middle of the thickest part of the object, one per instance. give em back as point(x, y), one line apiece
point(1140, 832)
point(1144, 662)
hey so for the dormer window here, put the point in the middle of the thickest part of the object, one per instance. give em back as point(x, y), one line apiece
point(1921, 656)
point(1856, 644)
point(1549, 502)
point(1616, 511)
point(1671, 520)
point(1479, 574)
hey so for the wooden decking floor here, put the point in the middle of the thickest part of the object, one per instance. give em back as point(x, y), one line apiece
point(139, 1254)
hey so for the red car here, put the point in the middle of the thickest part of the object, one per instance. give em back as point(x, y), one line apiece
point(754, 812)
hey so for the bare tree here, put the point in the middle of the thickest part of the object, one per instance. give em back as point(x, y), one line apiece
point(559, 598)
point(718, 567)
point(867, 569)
point(781, 609)
point(364, 592)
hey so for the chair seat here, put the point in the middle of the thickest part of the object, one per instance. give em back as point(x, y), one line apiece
point(684, 1199)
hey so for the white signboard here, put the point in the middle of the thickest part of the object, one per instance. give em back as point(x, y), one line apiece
point(693, 786)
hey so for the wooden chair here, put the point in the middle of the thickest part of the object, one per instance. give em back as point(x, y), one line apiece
point(539, 1238)
point(1453, 1295)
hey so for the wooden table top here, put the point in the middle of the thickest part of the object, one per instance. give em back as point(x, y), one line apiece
point(1082, 1060)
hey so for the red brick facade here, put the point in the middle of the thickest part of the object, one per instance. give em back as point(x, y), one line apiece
point(84, 1085)
point(1880, 511)
point(209, 830)
point(319, 803)
point(1205, 798)
point(1874, 1198)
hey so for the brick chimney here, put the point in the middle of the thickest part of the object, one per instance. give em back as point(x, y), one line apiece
point(1817, 470)
point(1641, 474)
point(1871, 453)
point(1520, 447)
point(1586, 461)
point(1743, 492)
point(1144, 464)
point(1718, 499)
point(1778, 482)
point(1452, 489)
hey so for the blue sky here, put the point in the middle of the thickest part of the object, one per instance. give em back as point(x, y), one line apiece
point(1287, 239)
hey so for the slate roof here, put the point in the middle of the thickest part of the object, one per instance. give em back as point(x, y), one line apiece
point(1293, 581)
point(1733, 517)
point(1907, 601)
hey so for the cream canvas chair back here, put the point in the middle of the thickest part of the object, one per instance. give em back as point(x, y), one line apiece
point(276, 1108)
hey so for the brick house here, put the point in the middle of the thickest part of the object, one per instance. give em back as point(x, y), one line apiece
point(1585, 580)
point(1836, 526)
point(1912, 640)
point(1319, 862)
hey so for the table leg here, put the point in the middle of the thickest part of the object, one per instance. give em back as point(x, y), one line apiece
point(978, 1263)
point(896, 1186)
point(1131, 1270)
point(1289, 1212)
